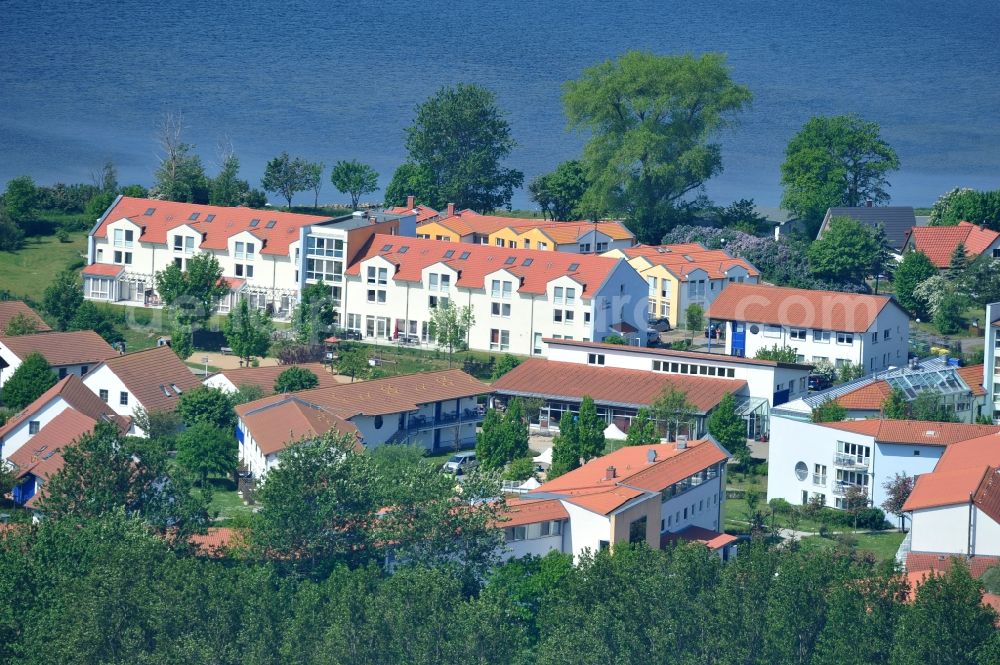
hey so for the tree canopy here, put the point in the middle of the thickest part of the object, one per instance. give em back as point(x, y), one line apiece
point(27, 383)
point(504, 437)
point(828, 412)
point(204, 449)
point(449, 326)
point(651, 121)
point(211, 406)
point(835, 161)
point(913, 270)
point(180, 175)
point(782, 354)
point(295, 378)
point(560, 193)
point(642, 431)
point(248, 331)
point(967, 205)
point(848, 251)
point(727, 426)
point(62, 298)
point(287, 176)
point(191, 295)
point(355, 179)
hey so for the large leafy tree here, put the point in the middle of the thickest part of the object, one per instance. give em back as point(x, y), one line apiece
point(11, 235)
point(642, 431)
point(836, 161)
point(353, 361)
point(211, 406)
point(727, 426)
point(104, 472)
point(192, 295)
point(861, 619)
point(410, 180)
point(651, 121)
point(590, 430)
point(248, 331)
point(967, 205)
point(314, 315)
point(560, 193)
point(913, 270)
point(849, 251)
point(565, 446)
point(286, 176)
point(449, 326)
point(91, 317)
point(180, 175)
point(228, 189)
point(460, 138)
point(895, 406)
point(504, 437)
point(20, 200)
point(829, 412)
point(314, 180)
point(897, 491)
point(674, 413)
point(205, 449)
point(295, 378)
point(354, 178)
point(31, 378)
point(62, 298)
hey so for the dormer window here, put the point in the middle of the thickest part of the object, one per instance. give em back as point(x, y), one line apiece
point(149, 212)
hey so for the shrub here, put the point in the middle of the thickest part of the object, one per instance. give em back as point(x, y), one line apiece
point(780, 506)
point(142, 317)
point(847, 539)
point(520, 469)
point(63, 235)
point(871, 518)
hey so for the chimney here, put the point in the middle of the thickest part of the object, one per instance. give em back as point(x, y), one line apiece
point(410, 203)
point(610, 473)
point(682, 441)
point(869, 203)
point(451, 210)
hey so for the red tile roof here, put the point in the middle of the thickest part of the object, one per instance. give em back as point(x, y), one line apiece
point(590, 270)
point(275, 426)
point(529, 511)
point(980, 451)
point(168, 215)
point(914, 431)
point(151, 375)
point(78, 396)
point(675, 353)
point(939, 242)
point(11, 308)
point(611, 385)
point(779, 305)
point(973, 377)
point(264, 377)
point(946, 488)
point(917, 562)
point(713, 540)
point(681, 261)
point(40, 455)
point(79, 347)
point(422, 212)
point(103, 269)
point(216, 540)
point(866, 398)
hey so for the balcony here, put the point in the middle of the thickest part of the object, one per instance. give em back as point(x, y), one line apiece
point(419, 423)
point(841, 487)
point(819, 480)
point(845, 461)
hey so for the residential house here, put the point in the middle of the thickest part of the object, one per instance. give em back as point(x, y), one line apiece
point(939, 242)
point(991, 361)
point(421, 212)
point(840, 328)
point(74, 352)
point(685, 274)
point(231, 380)
point(266, 256)
point(152, 380)
point(11, 308)
point(821, 461)
point(617, 393)
point(435, 410)
point(655, 494)
point(955, 509)
point(895, 220)
point(518, 297)
point(68, 394)
point(769, 382)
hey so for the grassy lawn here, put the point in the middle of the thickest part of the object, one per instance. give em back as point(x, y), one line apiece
point(225, 501)
point(398, 360)
point(28, 271)
point(882, 544)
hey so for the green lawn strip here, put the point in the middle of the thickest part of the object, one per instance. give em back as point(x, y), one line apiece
point(26, 272)
point(883, 544)
point(226, 504)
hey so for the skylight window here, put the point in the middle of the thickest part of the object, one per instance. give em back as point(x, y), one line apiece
point(165, 390)
point(464, 255)
point(194, 217)
point(404, 249)
point(386, 248)
point(149, 211)
point(527, 262)
point(510, 260)
point(209, 218)
point(254, 223)
point(176, 388)
point(270, 223)
point(450, 253)
point(573, 267)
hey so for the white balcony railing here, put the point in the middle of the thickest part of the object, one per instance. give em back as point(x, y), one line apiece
point(845, 460)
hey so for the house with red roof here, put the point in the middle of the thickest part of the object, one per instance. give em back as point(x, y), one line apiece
point(517, 297)
point(822, 461)
point(831, 326)
point(939, 242)
point(656, 494)
point(267, 256)
point(74, 352)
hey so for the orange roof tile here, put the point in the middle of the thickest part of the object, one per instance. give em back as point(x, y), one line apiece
point(104, 269)
point(611, 385)
point(227, 222)
point(39, 455)
point(939, 242)
point(151, 375)
point(11, 308)
point(264, 377)
point(542, 267)
point(917, 562)
point(711, 539)
point(77, 395)
point(973, 377)
point(682, 262)
point(914, 431)
point(215, 541)
point(979, 451)
point(422, 212)
point(866, 398)
point(277, 425)
point(78, 347)
point(675, 353)
point(946, 488)
point(529, 511)
point(779, 305)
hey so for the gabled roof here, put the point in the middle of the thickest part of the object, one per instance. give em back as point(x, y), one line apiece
point(37, 455)
point(919, 432)
point(675, 353)
point(713, 540)
point(104, 269)
point(422, 212)
point(11, 308)
point(942, 562)
point(566, 233)
point(77, 395)
point(614, 386)
point(153, 376)
point(804, 308)
point(939, 242)
point(264, 377)
point(980, 451)
point(529, 511)
point(276, 425)
point(227, 222)
point(681, 262)
point(80, 347)
point(972, 375)
point(535, 268)
point(896, 220)
point(946, 488)
point(867, 397)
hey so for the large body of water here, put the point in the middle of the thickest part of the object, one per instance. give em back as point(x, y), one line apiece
point(83, 81)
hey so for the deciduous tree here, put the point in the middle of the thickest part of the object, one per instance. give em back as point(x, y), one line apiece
point(91, 317)
point(504, 437)
point(355, 179)
point(411, 180)
point(674, 413)
point(560, 193)
point(506, 363)
point(913, 270)
point(590, 430)
point(192, 295)
point(895, 406)
point(727, 426)
point(829, 412)
point(204, 449)
point(849, 251)
point(967, 205)
point(62, 298)
point(651, 120)
point(285, 176)
point(20, 200)
point(782, 354)
point(295, 378)
point(314, 180)
point(26, 384)
point(642, 431)
point(21, 324)
point(897, 491)
point(449, 326)
point(248, 331)
point(207, 405)
point(353, 361)
point(694, 317)
point(180, 175)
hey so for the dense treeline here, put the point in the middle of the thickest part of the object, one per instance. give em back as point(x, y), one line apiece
point(110, 591)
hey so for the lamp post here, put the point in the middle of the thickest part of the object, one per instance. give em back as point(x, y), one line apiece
point(204, 359)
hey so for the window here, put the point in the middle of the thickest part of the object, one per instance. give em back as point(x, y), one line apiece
point(602, 247)
point(637, 530)
point(209, 218)
point(543, 245)
point(500, 309)
point(499, 242)
point(33, 427)
point(435, 301)
point(328, 247)
point(244, 250)
point(527, 244)
point(797, 333)
point(379, 276)
point(62, 372)
point(557, 315)
point(123, 238)
point(432, 281)
point(821, 336)
point(376, 296)
point(557, 295)
point(570, 295)
point(845, 338)
point(595, 358)
point(652, 285)
point(586, 317)
point(104, 395)
point(123, 398)
point(696, 288)
point(378, 422)
point(149, 212)
point(499, 339)
point(512, 244)
point(772, 331)
point(244, 270)
point(536, 347)
point(568, 316)
point(326, 270)
point(885, 334)
point(584, 247)
point(354, 322)
point(123, 258)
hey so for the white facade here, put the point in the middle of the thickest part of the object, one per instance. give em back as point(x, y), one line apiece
point(104, 383)
point(697, 288)
point(23, 431)
point(949, 529)
point(506, 320)
point(884, 344)
point(991, 360)
point(13, 362)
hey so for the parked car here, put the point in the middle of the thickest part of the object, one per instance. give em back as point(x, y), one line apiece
point(714, 331)
point(652, 337)
point(819, 382)
point(461, 463)
point(660, 325)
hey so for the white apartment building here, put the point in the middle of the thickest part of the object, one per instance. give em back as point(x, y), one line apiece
point(991, 360)
point(266, 256)
point(823, 460)
point(653, 494)
point(518, 297)
point(840, 328)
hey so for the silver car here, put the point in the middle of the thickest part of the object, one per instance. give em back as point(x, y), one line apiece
point(460, 463)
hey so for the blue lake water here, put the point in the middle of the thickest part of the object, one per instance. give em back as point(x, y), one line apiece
point(83, 81)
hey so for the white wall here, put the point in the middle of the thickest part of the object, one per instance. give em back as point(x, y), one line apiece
point(104, 379)
point(703, 505)
point(888, 459)
point(942, 529)
point(19, 435)
point(220, 382)
point(533, 546)
point(586, 530)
